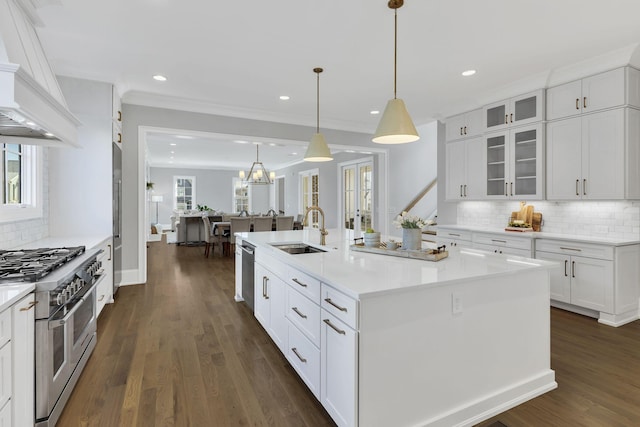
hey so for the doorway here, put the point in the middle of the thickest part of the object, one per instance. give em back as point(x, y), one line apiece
point(357, 196)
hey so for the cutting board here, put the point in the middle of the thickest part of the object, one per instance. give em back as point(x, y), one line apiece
point(527, 215)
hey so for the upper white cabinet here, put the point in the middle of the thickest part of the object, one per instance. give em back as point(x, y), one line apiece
point(605, 90)
point(116, 117)
point(465, 125)
point(464, 174)
point(594, 156)
point(520, 110)
point(514, 163)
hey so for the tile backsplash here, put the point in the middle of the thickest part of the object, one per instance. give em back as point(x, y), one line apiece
point(614, 219)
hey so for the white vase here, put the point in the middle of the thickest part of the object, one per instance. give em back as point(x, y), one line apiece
point(411, 238)
point(372, 240)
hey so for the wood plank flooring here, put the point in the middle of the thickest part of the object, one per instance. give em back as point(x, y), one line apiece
point(179, 351)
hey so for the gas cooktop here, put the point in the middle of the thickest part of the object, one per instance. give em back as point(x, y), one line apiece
point(30, 265)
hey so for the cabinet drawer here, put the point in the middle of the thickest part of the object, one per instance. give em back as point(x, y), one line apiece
point(501, 240)
point(5, 374)
point(454, 234)
point(103, 294)
point(305, 284)
point(589, 250)
point(5, 327)
point(343, 307)
point(304, 314)
point(505, 250)
point(305, 359)
point(276, 267)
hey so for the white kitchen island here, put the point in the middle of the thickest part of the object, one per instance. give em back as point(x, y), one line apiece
point(403, 342)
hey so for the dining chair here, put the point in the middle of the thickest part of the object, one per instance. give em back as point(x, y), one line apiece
point(209, 238)
point(238, 225)
point(284, 223)
point(263, 223)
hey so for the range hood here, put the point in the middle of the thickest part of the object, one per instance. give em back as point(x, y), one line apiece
point(32, 108)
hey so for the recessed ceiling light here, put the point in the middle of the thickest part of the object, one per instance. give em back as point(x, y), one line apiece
point(374, 112)
point(30, 124)
point(173, 152)
point(160, 78)
point(293, 154)
point(468, 73)
point(238, 141)
point(366, 152)
point(49, 134)
point(184, 137)
point(284, 98)
point(173, 144)
point(350, 151)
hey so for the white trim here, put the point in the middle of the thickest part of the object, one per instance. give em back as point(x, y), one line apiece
point(32, 186)
point(143, 214)
point(376, 219)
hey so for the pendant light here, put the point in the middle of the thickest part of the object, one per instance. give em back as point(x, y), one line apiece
point(258, 174)
point(318, 150)
point(396, 126)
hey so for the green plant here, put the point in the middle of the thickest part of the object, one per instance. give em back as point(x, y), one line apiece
point(149, 185)
point(370, 230)
point(404, 220)
point(203, 208)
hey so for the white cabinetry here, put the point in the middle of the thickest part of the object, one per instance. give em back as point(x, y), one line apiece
point(464, 125)
point(464, 174)
point(17, 393)
point(594, 156)
point(453, 237)
point(502, 243)
point(520, 110)
point(116, 117)
point(514, 163)
point(104, 294)
point(610, 89)
point(600, 278)
point(238, 269)
point(269, 302)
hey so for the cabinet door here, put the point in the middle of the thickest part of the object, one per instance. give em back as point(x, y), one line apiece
point(474, 184)
point(338, 370)
point(526, 158)
point(22, 345)
point(603, 90)
point(473, 123)
point(5, 374)
point(526, 108)
point(496, 116)
point(497, 169)
point(560, 280)
point(592, 283)
point(603, 159)
point(564, 170)
point(278, 328)
point(455, 127)
point(456, 170)
point(564, 100)
point(262, 304)
point(238, 276)
point(5, 416)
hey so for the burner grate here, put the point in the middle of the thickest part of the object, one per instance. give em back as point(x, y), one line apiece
point(30, 265)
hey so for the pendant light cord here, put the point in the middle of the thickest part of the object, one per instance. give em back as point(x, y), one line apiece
point(395, 51)
point(318, 103)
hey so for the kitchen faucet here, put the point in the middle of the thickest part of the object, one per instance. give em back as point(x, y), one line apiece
point(271, 212)
point(323, 231)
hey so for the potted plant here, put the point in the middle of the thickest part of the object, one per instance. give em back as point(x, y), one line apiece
point(371, 238)
point(411, 230)
point(149, 185)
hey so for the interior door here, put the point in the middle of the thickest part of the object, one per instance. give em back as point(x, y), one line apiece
point(357, 196)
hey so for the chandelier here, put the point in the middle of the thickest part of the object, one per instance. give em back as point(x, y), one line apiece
point(258, 174)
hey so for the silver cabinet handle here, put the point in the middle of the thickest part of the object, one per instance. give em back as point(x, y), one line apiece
point(465, 190)
point(304, 285)
point(109, 253)
point(454, 234)
point(511, 117)
point(571, 249)
point(499, 241)
point(584, 102)
point(335, 305)
point(566, 261)
point(573, 269)
point(584, 187)
point(265, 279)
point(334, 327)
point(295, 309)
point(577, 103)
point(506, 119)
point(295, 351)
point(460, 190)
point(465, 130)
point(577, 183)
point(506, 189)
point(511, 189)
point(461, 131)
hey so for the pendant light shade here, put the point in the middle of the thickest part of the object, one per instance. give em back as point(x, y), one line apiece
point(318, 150)
point(258, 173)
point(396, 126)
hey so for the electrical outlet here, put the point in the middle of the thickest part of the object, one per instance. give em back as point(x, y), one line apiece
point(456, 303)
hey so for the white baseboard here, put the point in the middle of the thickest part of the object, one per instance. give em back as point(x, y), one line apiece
point(130, 277)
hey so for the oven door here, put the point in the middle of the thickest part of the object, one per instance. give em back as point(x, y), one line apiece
point(60, 343)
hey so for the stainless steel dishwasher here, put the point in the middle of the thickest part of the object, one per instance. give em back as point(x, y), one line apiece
point(248, 257)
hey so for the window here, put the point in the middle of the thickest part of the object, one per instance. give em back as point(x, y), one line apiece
point(184, 192)
point(20, 195)
point(241, 195)
point(310, 194)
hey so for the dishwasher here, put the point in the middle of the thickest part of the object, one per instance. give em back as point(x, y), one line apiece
point(248, 257)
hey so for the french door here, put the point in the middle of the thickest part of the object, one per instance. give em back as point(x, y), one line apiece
point(357, 197)
point(310, 194)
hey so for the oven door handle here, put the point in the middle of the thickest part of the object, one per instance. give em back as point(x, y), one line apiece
point(56, 323)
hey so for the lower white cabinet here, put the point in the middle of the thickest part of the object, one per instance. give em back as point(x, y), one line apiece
point(269, 303)
point(104, 294)
point(503, 243)
point(238, 268)
point(304, 356)
point(453, 237)
point(600, 278)
point(339, 370)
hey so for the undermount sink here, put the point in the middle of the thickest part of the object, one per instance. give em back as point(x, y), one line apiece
point(297, 248)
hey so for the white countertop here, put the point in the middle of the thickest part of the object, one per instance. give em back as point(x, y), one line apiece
point(66, 241)
point(361, 274)
point(12, 293)
point(543, 235)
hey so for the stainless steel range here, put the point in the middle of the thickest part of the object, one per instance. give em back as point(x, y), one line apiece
point(65, 283)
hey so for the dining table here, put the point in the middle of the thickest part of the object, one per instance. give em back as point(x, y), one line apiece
point(223, 228)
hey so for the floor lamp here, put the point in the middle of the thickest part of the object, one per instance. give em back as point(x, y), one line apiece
point(157, 200)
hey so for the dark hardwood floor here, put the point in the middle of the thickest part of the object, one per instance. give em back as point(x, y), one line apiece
point(179, 351)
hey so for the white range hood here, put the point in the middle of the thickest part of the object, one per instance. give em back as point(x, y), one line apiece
point(32, 108)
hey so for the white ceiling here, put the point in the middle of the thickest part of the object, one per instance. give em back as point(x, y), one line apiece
point(237, 57)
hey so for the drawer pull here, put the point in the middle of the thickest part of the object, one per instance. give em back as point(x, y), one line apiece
point(295, 309)
point(31, 305)
point(101, 298)
point(335, 305)
point(304, 285)
point(265, 279)
point(577, 103)
point(334, 327)
point(454, 234)
point(295, 351)
point(499, 241)
point(570, 249)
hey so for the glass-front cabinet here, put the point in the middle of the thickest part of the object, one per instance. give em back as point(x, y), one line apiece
point(514, 163)
point(520, 110)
